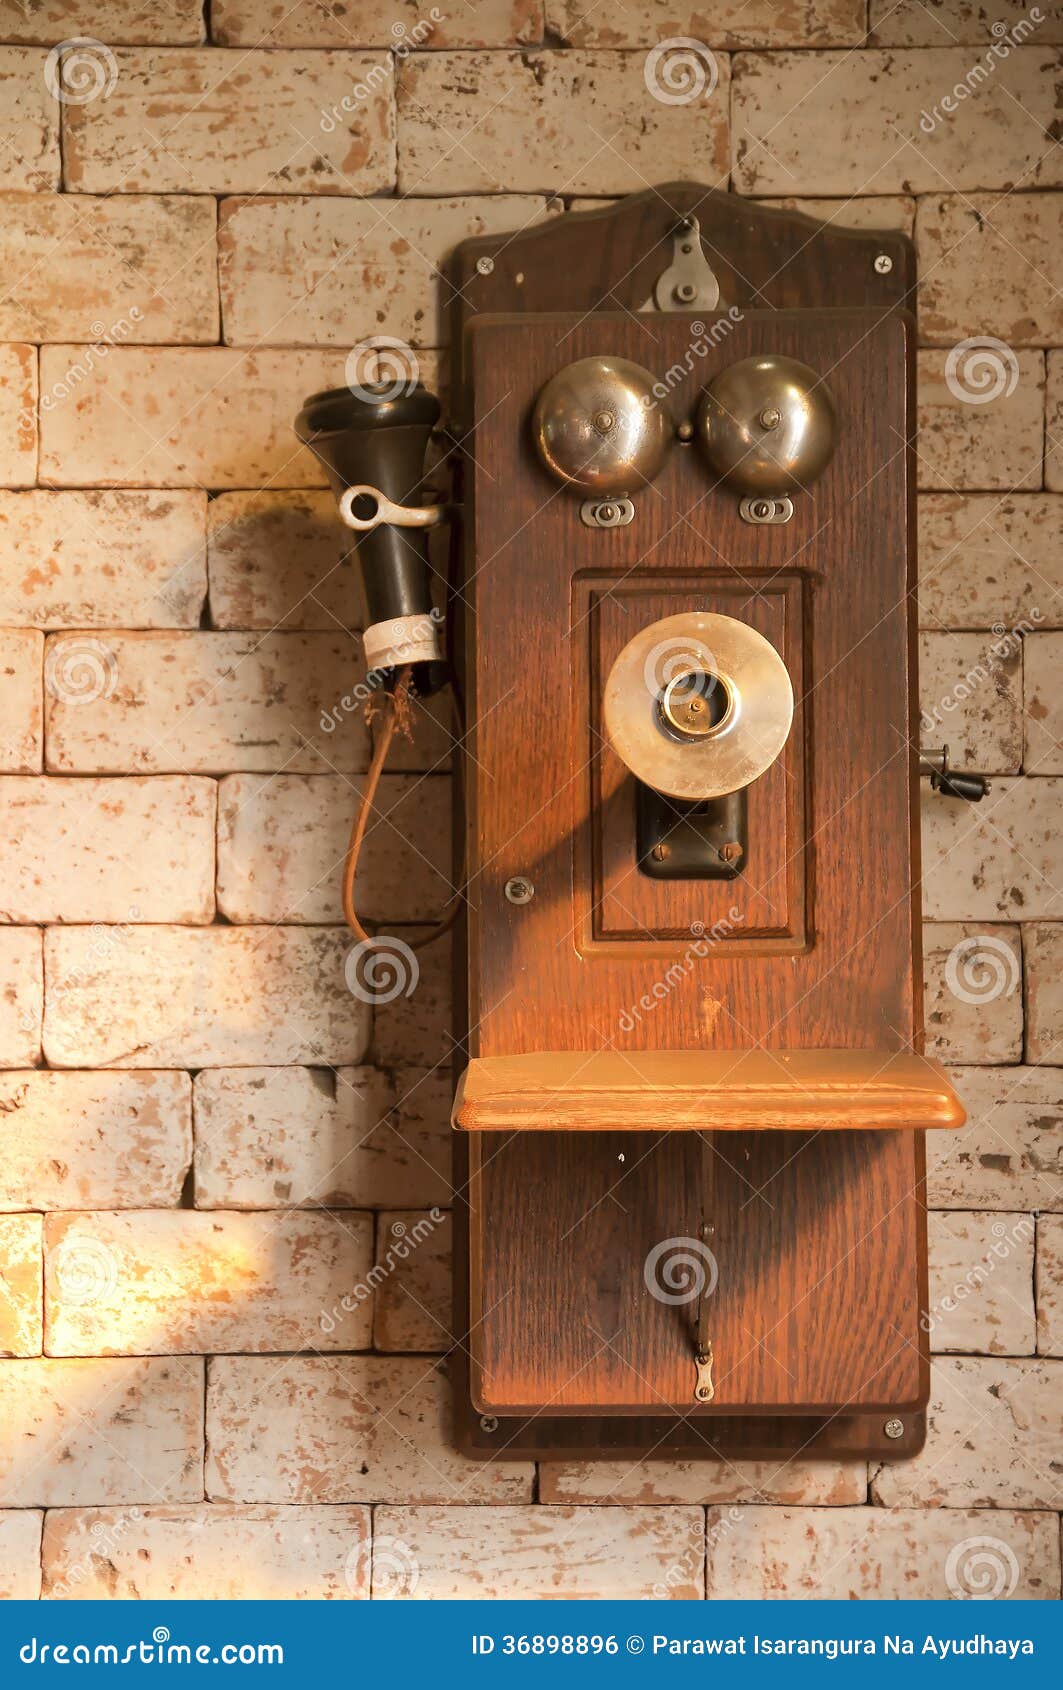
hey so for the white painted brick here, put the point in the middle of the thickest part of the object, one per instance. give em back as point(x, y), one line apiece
point(1054, 422)
point(20, 1554)
point(30, 160)
point(973, 249)
point(344, 1429)
point(1050, 1285)
point(21, 667)
point(982, 444)
point(282, 842)
point(189, 122)
point(94, 1141)
point(349, 1137)
point(990, 562)
point(1043, 656)
point(178, 1282)
point(732, 23)
point(151, 997)
point(882, 211)
point(208, 1552)
point(373, 23)
point(554, 1554)
point(102, 560)
point(176, 21)
point(878, 1554)
point(833, 1483)
point(981, 1284)
point(973, 983)
point(106, 850)
point(940, 23)
point(1042, 946)
point(129, 269)
point(413, 1300)
point(992, 1439)
point(282, 560)
point(203, 702)
point(18, 409)
point(21, 996)
point(182, 416)
point(1010, 1153)
point(417, 1029)
point(21, 1310)
point(93, 1431)
point(997, 859)
point(332, 272)
point(970, 692)
point(581, 122)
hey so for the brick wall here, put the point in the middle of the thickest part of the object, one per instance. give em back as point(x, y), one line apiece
point(207, 1142)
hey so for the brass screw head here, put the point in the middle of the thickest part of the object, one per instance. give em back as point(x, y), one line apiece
point(604, 421)
point(883, 264)
point(894, 1428)
point(731, 851)
point(770, 417)
point(485, 266)
point(519, 890)
point(661, 852)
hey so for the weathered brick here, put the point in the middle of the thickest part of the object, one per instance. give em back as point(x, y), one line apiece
point(853, 123)
point(938, 23)
point(95, 1431)
point(412, 1305)
point(332, 272)
point(882, 211)
point(202, 702)
point(529, 123)
point(992, 1439)
point(177, 1282)
point(417, 1029)
point(1054, 422)
point(107, 850)
point(973, 982)
point(1042, 945)
point(374, 23)
point(211, 122)
point(831, 1483)
point(20, 1555)
point(184, 416)
point(1002, 858)
point(981, 1284)
point(732, 23)
point(1010, 1153)
point(877, 1554)
point(986, 561)
point(344, 1429)
point(21, 1311)
point(558, 1554)
point(965, 443)
point(131, 268)
point(179, 22)
point(1043, 654)
point(102, 560)
point(282, 560)
point(30, 158)
point(207, 1551)
point(349, 1137)
point(152, 997)
point(18, 408)
point(282, 843)
point(1003, 248)
point(21, 738)
point(970, 691)
point(21, 996)
point(433, 736)
point(1050, 1285)
point(94, 1141)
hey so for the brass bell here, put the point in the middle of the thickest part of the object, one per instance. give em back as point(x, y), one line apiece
point(768, 427)
point(599, 427)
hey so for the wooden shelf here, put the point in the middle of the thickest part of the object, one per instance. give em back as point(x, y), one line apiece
point(707, 1091)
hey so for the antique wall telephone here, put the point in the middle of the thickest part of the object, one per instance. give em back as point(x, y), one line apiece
point(689, 1132)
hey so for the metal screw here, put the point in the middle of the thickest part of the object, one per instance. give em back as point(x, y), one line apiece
point(883, 266)
point(702, 1393)
point(607, 514)
point(686, 291)
point(485, 266)
point(604, 421)
point(894, 1428)
point(488, 1423)
point(621, 1157)
point(661, 852)
point(519, 890)
point(731, 851)
point(685, 431)
point(770, 418)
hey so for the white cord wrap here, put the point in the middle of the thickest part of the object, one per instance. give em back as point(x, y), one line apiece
point(405, 639)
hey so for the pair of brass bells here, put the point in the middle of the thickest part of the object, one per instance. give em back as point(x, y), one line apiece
point(766, 425)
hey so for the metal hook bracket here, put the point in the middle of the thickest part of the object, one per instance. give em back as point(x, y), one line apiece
point(398, 516)
point(688, 283)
